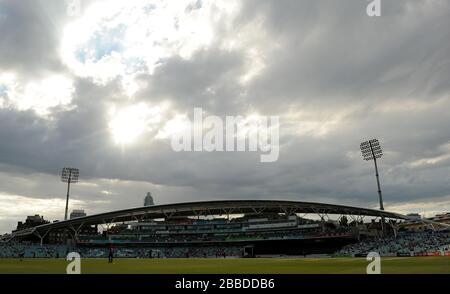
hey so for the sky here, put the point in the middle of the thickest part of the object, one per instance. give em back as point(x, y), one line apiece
point(102, 85)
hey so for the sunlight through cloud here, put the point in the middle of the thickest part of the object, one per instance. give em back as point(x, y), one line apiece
point(118, 39)
point(129, 123)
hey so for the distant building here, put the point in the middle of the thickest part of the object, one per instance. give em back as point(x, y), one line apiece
point(148, 201)
point(31, 221)
point(76, 213)
point(442, 215)
point(414, 216)
point(417, 224)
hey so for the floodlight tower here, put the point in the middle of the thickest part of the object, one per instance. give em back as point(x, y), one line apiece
point(69, 175)
point(371, 150)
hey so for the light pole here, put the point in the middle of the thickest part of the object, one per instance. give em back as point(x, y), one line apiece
point(371, 150)
point(69, 175)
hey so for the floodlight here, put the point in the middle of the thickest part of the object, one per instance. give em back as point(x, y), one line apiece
point(371, 150)
point(69, 175)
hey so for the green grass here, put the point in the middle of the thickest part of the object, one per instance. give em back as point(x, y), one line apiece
point(403, 265)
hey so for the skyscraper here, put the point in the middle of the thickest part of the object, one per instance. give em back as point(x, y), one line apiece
point(148, 201)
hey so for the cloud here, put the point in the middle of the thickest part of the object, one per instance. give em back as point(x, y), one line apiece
point(26, 206)
point(31, 33)
point(40, 96)
point(101, 91)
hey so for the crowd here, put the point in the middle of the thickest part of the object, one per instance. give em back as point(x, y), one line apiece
point(404, 244)
point(170, 252)
point(19, 250)
point(32, 250)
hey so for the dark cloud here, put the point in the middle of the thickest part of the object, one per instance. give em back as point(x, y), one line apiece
point(31, 32)
point(209, 80)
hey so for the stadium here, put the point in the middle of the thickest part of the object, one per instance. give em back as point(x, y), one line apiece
point(232, 230)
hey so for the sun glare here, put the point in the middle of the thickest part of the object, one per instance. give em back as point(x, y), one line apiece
point(128, 124)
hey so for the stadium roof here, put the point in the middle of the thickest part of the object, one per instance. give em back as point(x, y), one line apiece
point(225, 207)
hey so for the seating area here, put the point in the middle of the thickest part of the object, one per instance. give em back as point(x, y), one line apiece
point(404, 244)
point(172, 252)
point(17, 250)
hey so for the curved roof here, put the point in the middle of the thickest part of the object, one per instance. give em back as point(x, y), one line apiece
point(224, 207)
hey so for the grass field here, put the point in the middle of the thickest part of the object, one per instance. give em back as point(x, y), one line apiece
point(403, 265)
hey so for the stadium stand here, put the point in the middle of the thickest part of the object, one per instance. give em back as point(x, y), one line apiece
point(17, 250)
point(405, 244)
point(224, 229)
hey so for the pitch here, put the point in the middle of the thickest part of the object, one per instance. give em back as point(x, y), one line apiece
point(403, 265)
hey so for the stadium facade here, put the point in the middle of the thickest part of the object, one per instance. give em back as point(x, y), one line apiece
point(255, 226)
